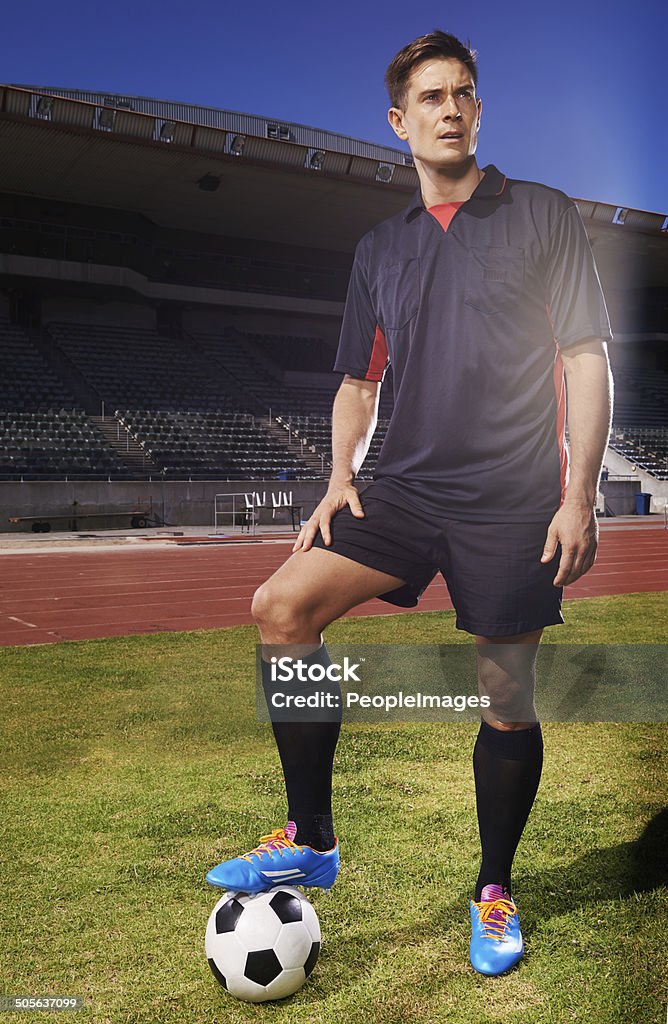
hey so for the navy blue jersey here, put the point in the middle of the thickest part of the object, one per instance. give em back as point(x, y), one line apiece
point(471, 307)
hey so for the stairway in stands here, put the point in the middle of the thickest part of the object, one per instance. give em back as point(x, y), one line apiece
point(313, 459)
point(126, 448)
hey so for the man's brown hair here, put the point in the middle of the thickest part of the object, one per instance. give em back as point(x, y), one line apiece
point(435, 44)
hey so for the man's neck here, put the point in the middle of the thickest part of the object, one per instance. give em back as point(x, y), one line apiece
point(451, 186)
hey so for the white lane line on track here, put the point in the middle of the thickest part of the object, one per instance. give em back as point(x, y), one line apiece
point(23, 622)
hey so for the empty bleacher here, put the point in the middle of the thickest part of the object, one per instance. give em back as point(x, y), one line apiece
point(231, 446)
point(645, 447)
point(197, 405)
point(53, 443)
point(295, 352)
point(136, 367)
point(42, 431)
point(317, 431)
point(27, 381)
point(641, 397)
point(234, 350)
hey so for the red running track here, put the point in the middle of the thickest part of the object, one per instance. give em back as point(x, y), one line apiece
point(53, 596)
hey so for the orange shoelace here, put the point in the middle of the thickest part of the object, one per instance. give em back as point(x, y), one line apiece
point(494, 915)
point(276, 840)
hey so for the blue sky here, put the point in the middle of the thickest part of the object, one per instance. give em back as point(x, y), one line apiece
point(574, 94)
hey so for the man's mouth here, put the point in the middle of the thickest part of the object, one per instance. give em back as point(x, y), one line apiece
point(452, 135)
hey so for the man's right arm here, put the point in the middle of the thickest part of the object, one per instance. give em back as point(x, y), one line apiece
point(354, 418)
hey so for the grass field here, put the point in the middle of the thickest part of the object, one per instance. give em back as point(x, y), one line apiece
point(131, 766)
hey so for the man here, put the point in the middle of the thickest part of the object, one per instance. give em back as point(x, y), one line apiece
point(480, 294)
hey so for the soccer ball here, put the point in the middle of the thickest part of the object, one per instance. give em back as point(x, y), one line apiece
point(262, 946)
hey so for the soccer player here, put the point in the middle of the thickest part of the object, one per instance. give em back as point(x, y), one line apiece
point(484, 297)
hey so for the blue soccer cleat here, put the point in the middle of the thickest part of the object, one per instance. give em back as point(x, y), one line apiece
point(496, 939)
point(277, 860)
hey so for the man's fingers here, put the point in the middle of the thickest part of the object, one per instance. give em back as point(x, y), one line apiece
point(312, 527)
point(311, 530)
point(550, 545)
point(321, 519)
point(325, 520)
point(306, 534)
point(566, 563)
point(581, 564)
point(356, 506)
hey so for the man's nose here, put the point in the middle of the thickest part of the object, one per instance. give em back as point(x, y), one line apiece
point(451, 110)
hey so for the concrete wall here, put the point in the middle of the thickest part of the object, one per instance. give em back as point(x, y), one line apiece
point(619, 466)
point(183, 503)
point(177, 503)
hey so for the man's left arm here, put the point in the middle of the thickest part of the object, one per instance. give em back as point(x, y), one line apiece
point(574, 526)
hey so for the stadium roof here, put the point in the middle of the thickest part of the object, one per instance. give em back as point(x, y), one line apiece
point(240, 175)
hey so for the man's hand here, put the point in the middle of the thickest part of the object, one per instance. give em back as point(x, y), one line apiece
point(338, 496)
point(576, 528)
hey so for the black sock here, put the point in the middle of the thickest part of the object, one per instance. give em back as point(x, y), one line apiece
point(507, 767)
point(306, 745)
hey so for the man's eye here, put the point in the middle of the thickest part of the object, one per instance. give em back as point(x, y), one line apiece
point(465, 92)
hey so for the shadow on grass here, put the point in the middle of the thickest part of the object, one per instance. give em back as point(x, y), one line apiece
point(612, 872)
point(609, 873)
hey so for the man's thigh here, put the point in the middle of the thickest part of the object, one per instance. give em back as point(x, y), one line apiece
point(498, 584)
point(319, 586)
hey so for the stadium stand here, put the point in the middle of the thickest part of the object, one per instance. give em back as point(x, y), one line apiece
point(230, 446)
point(27, 381)
point(234, 351)
point(646, 448)
point(137, 367)
point(42, 431)
point(198, 405)
point(53, 443)
point(316, 431)
point(292, 352)
point(641, 397)
point(149, 329)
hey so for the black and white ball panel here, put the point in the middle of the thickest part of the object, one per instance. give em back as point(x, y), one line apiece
point(263, 946)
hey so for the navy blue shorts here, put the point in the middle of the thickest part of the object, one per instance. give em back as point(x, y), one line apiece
point(497, 583)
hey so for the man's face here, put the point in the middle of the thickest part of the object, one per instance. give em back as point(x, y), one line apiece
point(442, 115)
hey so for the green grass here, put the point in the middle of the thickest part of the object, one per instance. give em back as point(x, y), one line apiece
point(129, 766)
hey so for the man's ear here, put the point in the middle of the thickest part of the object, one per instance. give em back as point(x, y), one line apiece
point(396, 118)
point(479, 106)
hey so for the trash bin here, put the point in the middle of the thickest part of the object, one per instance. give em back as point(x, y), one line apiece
point(642, 503)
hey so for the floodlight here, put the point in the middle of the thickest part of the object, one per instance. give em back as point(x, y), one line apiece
point(167, 131)
point(385, 172)
point(317, 159)
point(107, 118)
point(44, 106)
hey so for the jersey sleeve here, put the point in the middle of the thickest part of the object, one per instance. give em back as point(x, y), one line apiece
point(362, 351)
point(575, 301)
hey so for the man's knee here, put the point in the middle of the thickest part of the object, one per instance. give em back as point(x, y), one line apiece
point(282, 610)
point(506, 676)
point(270, 604)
